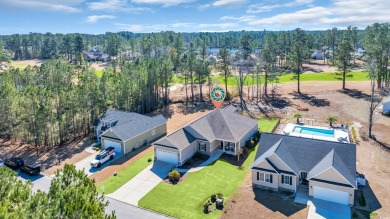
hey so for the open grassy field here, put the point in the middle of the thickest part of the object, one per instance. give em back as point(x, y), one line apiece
point(323, 76)
point(124, 175)
point(24, 63)
point(185, 200)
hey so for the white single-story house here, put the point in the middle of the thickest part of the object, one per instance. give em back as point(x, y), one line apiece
point(326, 169)
point(219, 130)
point(386, 105)
point(127, 131)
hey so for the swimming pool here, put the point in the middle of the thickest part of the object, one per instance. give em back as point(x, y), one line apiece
point(314, 131)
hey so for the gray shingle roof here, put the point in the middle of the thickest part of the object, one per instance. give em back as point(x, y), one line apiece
point(222, 124)
point(306, 155)
point(128, 124)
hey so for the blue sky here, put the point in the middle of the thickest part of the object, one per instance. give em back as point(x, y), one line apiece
point(100, 16)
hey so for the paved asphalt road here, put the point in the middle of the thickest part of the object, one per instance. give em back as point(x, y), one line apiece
point(122, 210)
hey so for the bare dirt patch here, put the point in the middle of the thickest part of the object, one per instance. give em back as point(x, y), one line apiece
point(247, 202)
point(50, 160)
point(99, 65)
point(25, 63)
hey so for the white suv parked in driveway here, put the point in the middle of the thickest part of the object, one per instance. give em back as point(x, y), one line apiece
point(103, 156)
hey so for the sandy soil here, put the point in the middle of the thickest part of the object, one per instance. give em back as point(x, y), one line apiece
point(25, 63)
point(249, 203)
point(50, 160)
point(99, 65)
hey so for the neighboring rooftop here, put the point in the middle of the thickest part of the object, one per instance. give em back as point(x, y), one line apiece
point(127, 124)
point(219, 124)
point(295, 151)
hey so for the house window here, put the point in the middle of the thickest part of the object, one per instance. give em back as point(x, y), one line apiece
point(153, 132)
point(202, 146)
point(265, 177)
point(286, 180)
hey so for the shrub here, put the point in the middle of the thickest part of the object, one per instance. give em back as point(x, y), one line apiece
point(219, 195)
point(174, 176)
point(149, 159)
point(250, 144)
point(213, 198)
point(258, 134)
point(354, 135)
point(206, 208)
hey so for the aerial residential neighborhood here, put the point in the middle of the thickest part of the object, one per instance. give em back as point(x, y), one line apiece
point(192, 109)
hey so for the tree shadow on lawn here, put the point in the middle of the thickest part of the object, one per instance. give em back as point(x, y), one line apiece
point(354, 93)
point(312, 100)
point(274, 201)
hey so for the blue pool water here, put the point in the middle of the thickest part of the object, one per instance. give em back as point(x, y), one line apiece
point(314, 131)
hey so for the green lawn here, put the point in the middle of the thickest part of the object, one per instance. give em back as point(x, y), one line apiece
point(266, 125)
point(114, 182)
point(99, 73)
point(323, 76)
point(185, 200)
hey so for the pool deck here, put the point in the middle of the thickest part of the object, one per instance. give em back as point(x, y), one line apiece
point(340, 135)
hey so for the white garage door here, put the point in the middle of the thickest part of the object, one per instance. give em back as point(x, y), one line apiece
point(116, 145)
point(167, 156)
point(331, 195)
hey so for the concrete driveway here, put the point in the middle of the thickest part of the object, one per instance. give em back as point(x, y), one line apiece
point(39, 182)
point(321, 209)
point(85, 164)
point(135, 189)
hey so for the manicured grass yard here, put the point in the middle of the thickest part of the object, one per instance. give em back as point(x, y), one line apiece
point(323, 76)
point(124, 175)
point(99, 73)
point(185, 200)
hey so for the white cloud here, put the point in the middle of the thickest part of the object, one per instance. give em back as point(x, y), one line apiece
point(257, 8)
point(115, 5)
point(340, 13)
point(204, 7)
point(163, 2)
point(239, 19)
point(228, 2)
point(95, 18)
point(69, 6)
point(217, 27)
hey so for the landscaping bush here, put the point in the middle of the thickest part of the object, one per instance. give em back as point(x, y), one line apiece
point(149, 159)
point(174, 176)
point(219, 195)
point(250, 144)
point(213, 198)
point(354, 135)
point(206, 208)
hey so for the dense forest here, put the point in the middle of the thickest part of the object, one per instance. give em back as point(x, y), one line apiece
point(59, 101)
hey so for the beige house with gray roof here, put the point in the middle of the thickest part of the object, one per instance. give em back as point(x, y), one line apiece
point(220, 130)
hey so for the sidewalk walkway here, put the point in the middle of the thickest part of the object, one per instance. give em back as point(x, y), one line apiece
point(135, 189)
point(202, 165)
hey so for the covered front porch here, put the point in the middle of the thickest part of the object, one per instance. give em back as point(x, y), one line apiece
point(229, 147)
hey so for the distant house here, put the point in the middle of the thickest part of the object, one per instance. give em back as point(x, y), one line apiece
point(127, 131)
point(317, 55)
point(94, 55)
point(212, 59)
point(386, 105)
point(221, 130)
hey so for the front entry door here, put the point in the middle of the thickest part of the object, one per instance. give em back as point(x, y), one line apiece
point(303, 178)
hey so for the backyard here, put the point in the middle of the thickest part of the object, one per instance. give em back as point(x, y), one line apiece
point(185, 200)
